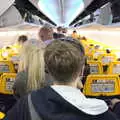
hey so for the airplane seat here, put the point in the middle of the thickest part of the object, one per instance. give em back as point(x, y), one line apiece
point(7, 100)
point(114, 68)
point(95, 67)
point(102, 86)
point(107, 58)
point(97, 54)
point(6, 51)
point(89, 57)
point(2, 115)
point(15, 58)
point(6, 82)
point(6, 67)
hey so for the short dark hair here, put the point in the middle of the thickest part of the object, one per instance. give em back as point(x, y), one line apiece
point(74, 31)
point(108, 51)
point(63, 61)
point(64, 30)
point(22, 38)
point(91, 45)
point(59, 28)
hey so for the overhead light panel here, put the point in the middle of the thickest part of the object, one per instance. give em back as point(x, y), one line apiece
point(62, 12)
point(73, 9)
point(49, 8)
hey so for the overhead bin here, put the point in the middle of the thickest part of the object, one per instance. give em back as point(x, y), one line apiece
point(5, 4)
point(9, 35)
point(10, 17)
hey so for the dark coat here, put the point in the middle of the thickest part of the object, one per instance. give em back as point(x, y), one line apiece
point(49, 105)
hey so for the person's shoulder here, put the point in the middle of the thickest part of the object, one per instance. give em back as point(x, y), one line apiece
point(42, 94)
point(41, 91)
point(22, 73)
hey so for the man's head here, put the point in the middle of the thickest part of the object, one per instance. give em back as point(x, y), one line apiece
point(108, 51)
point(97, 47)
point(46, 33)
point(64, 61)
point(74, 31)
point(59, 29)
point(22, 39)
point(64, 30)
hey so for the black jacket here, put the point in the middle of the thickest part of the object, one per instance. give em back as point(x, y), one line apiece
point(50, 104)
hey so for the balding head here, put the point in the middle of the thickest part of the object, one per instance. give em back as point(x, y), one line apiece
point(46, 33)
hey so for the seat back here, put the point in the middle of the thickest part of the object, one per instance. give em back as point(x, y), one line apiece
point(102, 85)
point(114, 68)
point(6, 67)
point(15, 59)
point(6, 83)
point(95, 67)
point(107, 58)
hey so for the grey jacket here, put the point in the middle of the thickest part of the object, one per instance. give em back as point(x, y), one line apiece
point(20, 85)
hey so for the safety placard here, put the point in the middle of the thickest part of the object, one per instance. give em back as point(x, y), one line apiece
point(9, 83)
point(4, 68)
point(107, 59)
point(103, 86)
point(93, 68)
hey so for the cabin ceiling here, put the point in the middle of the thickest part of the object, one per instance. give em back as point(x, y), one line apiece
point(61, 12)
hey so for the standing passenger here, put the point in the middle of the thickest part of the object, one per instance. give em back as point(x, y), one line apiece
point(22, 39)
point(59, 33)
point(64, 31)
point(61, 101)
point(31, 69)
point(75, 35)
point(46, 34)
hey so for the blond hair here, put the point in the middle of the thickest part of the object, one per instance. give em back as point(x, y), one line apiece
point(36, 70)
point(32, 61)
